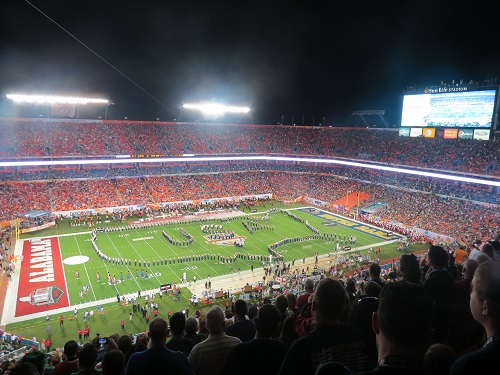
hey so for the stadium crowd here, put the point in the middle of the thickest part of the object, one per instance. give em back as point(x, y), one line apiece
point(463, 220)
point(82, 138)
point(463, 190)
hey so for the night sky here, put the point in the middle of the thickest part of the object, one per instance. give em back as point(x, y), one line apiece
point(306, 59)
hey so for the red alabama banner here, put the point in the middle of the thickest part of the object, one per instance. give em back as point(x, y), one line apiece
point(42, 286)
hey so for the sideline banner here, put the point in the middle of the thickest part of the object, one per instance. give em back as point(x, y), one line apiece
point(42, 286)
point(316, 202)
point(34, 229)
point(111, 210)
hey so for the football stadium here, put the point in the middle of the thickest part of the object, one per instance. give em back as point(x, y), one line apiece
point(160, 210)
point(196, 241)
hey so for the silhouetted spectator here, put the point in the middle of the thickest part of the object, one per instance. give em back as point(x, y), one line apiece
point(192, 330)
point(178, 342)
point(304, 297)
point(375, 272)
point(439, 282)
point(69, 364)
point(157, 357)
point(438, 359)
point(113, 363)
point(264, 346)
point(409, 268)
point(330, 340)
point(485, 307)
point(403, 328)
point(87, 361)
point(242, 328)
point(24, 368)
point(209, 356)
point(37, 358)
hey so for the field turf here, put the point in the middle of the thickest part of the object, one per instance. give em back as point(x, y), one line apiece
point(148, 244)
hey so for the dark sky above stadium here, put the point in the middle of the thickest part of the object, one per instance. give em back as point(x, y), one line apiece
point(282, 58)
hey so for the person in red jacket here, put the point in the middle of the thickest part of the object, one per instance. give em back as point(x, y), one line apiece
point(303, 299)
point(69, 363)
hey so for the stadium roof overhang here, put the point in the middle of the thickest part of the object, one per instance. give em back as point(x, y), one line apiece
point(34, 214)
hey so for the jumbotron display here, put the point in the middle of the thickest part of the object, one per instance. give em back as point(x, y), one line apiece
point(468, 109)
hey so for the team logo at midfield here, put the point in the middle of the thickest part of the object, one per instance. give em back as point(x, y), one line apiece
point(49, 295)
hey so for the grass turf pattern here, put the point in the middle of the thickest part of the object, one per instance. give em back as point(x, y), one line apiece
point(143, 247)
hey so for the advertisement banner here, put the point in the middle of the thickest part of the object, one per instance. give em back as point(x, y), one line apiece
point(430, 133)
point(481, 187)
point(63, 110)
point(316, 202)
point(465, 134)
point(104, 210)
point(482, 134)
point(450, 133)
point(110, 210)
point(404, 132)
point(415, 132)
point(34, 229)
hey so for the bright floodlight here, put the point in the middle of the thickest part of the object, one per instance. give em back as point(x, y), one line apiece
point(43, 99)
point(216, 109)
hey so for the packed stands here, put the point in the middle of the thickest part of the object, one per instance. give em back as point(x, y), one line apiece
point(81, 138)
point(79, 187)
point(461, 219)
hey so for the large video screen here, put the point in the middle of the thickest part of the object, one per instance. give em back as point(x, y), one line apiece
point(469, 109)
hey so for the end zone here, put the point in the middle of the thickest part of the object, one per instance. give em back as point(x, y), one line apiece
point(41, 284)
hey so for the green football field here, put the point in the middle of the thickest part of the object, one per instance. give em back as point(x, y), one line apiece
point(151, 260)
point(149, 244)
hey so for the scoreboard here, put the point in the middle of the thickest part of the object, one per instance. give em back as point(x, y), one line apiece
point(460, 112)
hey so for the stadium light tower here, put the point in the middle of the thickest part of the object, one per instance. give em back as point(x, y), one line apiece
point(45, 99)
point(212, 109)
point(61, 106)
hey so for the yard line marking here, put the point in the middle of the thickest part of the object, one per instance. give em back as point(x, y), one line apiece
point(85, 268)
point(128, 269)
